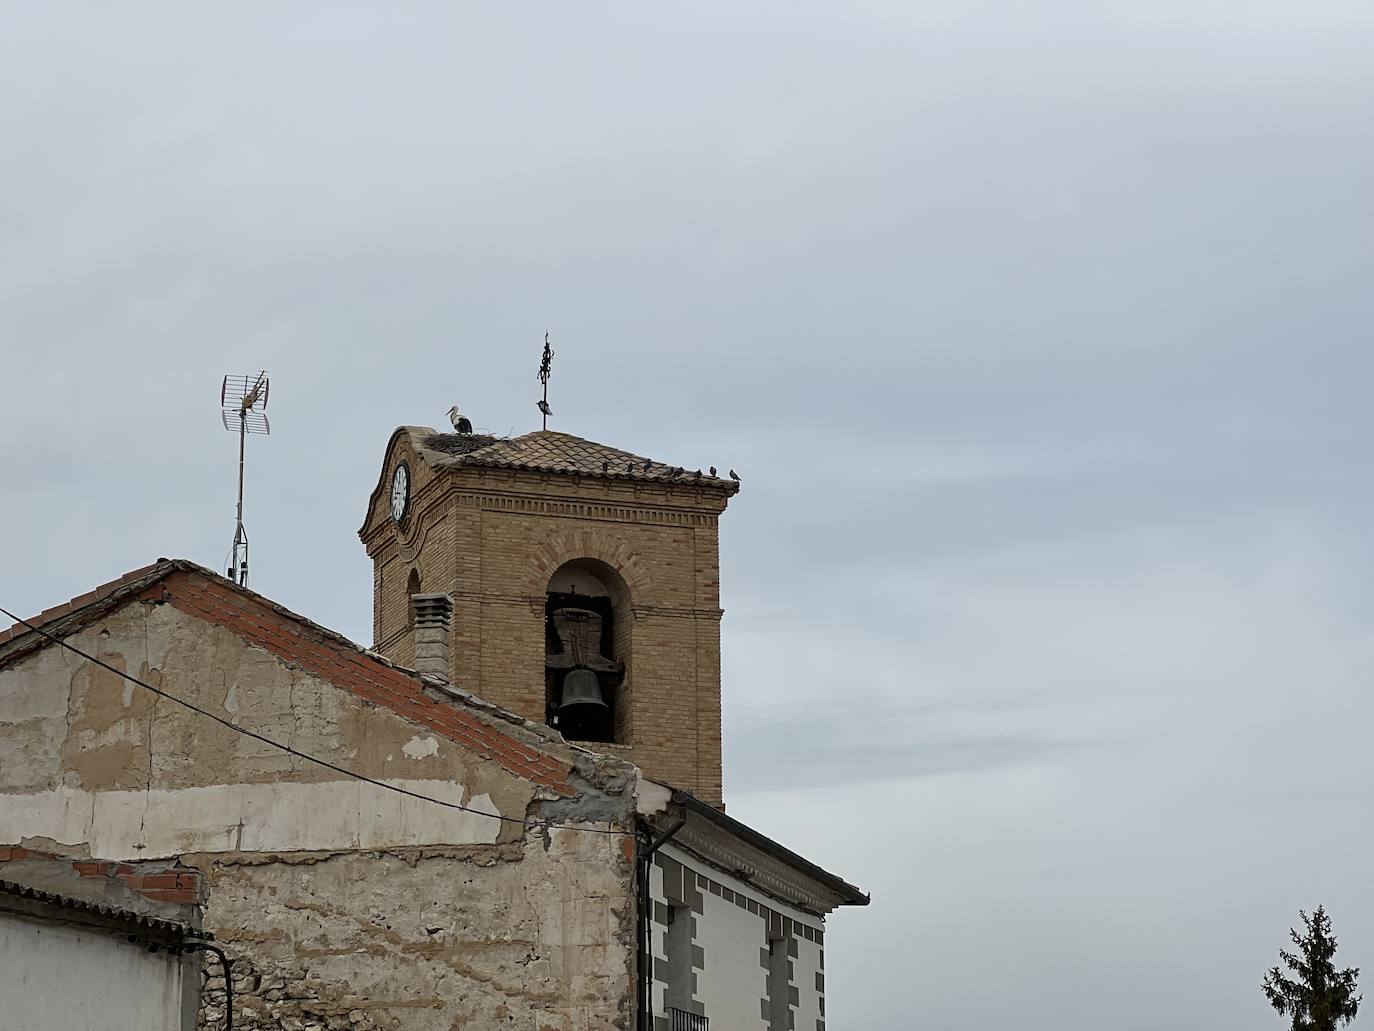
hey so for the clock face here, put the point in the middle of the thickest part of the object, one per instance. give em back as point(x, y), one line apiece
point(400, 492)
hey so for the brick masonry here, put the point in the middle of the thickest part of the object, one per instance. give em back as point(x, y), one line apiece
point(493, 538)
point(155, 882)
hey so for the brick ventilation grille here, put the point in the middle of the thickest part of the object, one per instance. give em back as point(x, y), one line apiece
point(432, 610)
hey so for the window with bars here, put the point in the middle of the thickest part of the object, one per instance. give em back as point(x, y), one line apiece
point(681, 1020)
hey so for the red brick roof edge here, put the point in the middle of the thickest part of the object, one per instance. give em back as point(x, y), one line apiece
point(101, 593)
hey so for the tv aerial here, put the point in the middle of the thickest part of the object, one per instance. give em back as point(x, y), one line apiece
point(243, 409)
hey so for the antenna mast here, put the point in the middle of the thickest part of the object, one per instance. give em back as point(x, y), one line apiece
point(243, 407)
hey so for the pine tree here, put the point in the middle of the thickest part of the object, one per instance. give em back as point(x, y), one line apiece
point(1319, 998)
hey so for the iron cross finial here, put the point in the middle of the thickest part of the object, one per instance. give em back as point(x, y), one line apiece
point(545, 368)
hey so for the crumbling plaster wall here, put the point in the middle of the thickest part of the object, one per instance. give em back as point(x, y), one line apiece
point(94, 758)
point(342, 905)
point(431, 939)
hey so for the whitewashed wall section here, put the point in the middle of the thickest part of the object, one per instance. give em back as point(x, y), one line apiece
point(55, 977)
point(282, 817)
point(732, 925)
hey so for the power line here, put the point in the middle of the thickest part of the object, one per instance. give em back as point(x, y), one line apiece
point(538, 824)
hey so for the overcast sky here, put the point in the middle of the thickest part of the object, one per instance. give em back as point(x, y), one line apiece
point(1038, 331)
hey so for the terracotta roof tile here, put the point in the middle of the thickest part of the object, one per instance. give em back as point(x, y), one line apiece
point(554, 452)
point(130, 919)
point(81, 601)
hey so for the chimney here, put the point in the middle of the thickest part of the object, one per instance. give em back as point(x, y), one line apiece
point(433, 616)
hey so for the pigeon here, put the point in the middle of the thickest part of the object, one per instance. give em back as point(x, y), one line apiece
point(648, 463)
point(543, 406)
point(697, 474)
point(605, 466)
point(734, 476)
point(713, 470)
point(629, 467)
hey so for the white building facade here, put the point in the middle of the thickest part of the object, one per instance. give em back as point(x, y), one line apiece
point(736, 924)
point(69, 965)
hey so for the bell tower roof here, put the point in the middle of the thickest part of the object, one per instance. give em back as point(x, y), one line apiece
point(549, 451)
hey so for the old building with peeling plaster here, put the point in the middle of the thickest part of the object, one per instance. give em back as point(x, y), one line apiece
point(508, 813)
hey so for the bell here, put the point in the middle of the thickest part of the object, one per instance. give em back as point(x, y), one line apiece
point(579, 634)
point(581, 691)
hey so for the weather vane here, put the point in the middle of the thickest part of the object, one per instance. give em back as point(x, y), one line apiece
point(546, 367)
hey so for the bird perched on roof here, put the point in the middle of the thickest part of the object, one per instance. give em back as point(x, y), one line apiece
point(648, 464)
point(713, 470)
point(697, 474)
point(605, 466)
point(461, 423)
point(734, 476)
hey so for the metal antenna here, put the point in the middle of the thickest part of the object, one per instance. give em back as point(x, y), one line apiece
point(545, 368)
point(243, 407)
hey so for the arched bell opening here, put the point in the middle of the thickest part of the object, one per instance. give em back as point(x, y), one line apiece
point(587, 630)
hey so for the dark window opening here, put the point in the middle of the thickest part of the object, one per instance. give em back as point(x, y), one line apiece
point(412, 589)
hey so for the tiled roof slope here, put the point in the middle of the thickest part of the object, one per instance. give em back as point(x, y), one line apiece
point(130, 919)
point(88, 600)
point(554, 452)
point(296, 640)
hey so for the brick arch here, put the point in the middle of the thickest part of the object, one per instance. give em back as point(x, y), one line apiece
point(415, 583)
point(583, 543)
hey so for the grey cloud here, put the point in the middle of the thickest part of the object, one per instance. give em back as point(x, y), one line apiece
point(1037, 331)
point(783, 750)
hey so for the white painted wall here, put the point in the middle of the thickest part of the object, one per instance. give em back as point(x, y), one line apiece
point(805, 966)
point(282, 817)
point(57, 978)
point(733, 981)
point(658, 934)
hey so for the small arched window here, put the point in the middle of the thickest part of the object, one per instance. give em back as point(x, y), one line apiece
point(587, 654)
point(412, 589)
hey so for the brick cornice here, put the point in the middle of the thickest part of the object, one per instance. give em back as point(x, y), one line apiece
point(727, 853)
point(614, 509)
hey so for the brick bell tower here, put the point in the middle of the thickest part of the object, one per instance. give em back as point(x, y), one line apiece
point(570, 582)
